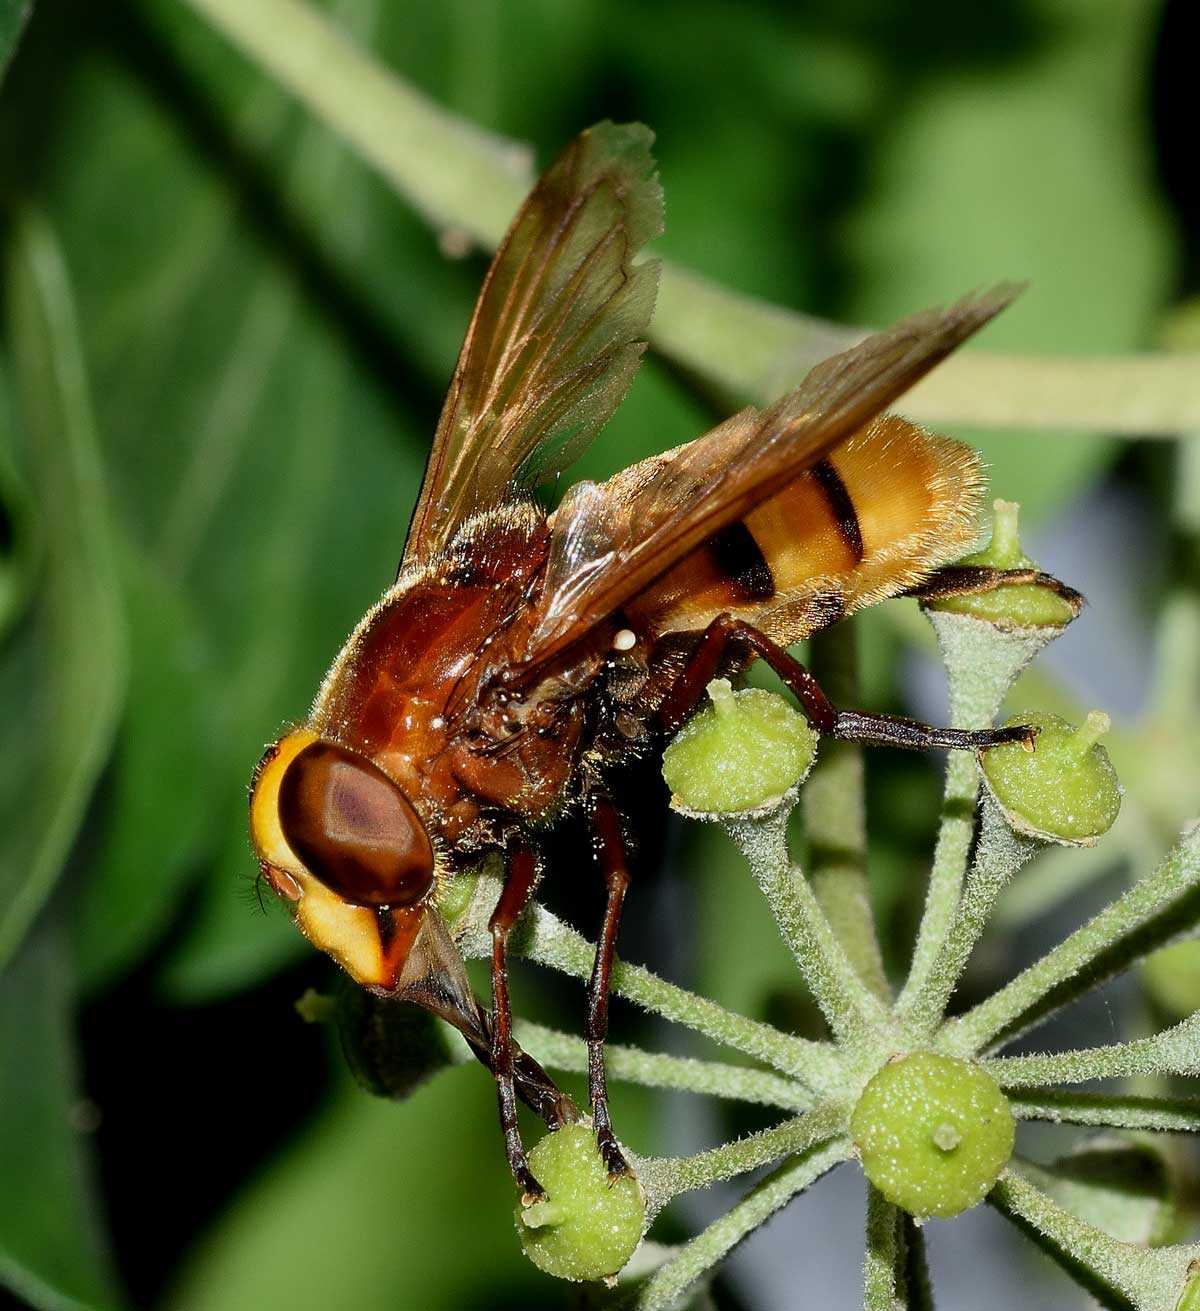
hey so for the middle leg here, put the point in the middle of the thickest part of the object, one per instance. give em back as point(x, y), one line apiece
point(610, 851)
point(712, 651)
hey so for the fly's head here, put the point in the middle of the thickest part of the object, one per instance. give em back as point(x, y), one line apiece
point(339, 840)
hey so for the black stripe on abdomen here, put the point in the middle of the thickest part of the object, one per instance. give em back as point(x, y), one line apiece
point(741, 561)
point(840, 506)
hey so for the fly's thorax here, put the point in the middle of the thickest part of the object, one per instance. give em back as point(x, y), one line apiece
point(436, 636)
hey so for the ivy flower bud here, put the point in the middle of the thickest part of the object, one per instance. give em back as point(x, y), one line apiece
point(1062, 788)
point(744, 751)
point(1036, 604)
point(933, 1133)
point(589, 1225)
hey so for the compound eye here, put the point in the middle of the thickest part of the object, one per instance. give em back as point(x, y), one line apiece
point(354, 829)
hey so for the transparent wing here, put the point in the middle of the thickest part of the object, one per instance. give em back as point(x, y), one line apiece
point(556, 336)
point(610, 543)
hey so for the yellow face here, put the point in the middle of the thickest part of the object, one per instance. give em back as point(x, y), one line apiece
point(338, 840)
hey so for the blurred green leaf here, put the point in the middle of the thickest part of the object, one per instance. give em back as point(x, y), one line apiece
point(1031, 166)
point(52, 1253)
point(62, 680)
point(14, 14)
point(158, 803)
point(375, 1206)
point(19, 553)
point(253, 416)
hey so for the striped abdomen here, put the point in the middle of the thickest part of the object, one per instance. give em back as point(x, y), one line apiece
point(877, 516)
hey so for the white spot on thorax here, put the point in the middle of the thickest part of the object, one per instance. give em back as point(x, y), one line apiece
point(625, 640)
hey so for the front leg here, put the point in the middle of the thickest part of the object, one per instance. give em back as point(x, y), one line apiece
point(521, 876)
point(610, 851)
point(712, 652)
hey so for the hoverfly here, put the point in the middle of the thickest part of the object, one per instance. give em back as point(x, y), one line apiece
point(521, 657)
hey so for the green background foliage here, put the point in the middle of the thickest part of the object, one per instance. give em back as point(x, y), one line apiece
point(225, 346)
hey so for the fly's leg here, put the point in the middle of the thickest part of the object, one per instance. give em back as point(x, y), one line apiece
point(521, 876)
point(610, 851)
point(712, 653)
point(532, 1084)
point(968, 580)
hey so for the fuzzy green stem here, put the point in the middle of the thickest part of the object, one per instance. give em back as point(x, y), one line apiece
point(455, 174)
point(562, 1051)
point(895, 1277)
point(1152, 912)
point(981, 663)
point(464, 180)
point(883, 1266)
point(1173, 1051)
point(835, 820)
point(999, 855)
point(704, 1251)
point(543, 938)
point(1104, 1110)
point(666, 1177)
point(854, 1015)
point(1116, 1273)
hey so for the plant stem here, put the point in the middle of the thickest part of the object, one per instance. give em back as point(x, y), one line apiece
point(1147, 916)
point(1174, 1051)
point(895, 1277)
point(465, 180)
point(562, 1051)
point(670, 1281)
point(855, 1015)
point(1071, 1106)
point(455, 174)
point(666, 1177)
point(543, 938)
point(1149, 1278)
point(999, 854)
point(835, 817)
point(981, 662)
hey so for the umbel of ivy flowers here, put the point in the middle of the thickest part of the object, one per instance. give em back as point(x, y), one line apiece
point(926, 1103)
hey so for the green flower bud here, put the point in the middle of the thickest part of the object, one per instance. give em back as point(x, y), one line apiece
point(933, 1133)
point(744, 751)
point(1011, 605)
point(589, 1225)
point(1061, 789)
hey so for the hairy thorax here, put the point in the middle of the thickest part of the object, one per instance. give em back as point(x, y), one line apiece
point(419, 688)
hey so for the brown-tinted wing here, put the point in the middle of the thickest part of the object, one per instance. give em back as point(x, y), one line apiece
point(610, 543)
point(556, 336)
